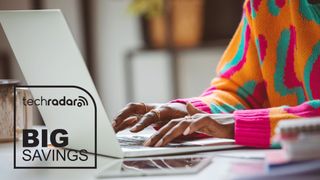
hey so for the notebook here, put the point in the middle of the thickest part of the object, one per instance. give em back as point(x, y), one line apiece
point(300, 138)
point(297, 126)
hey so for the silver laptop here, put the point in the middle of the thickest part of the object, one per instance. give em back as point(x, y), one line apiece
point(48, 55)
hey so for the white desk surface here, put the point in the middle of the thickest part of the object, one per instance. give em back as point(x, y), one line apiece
point(222, 167)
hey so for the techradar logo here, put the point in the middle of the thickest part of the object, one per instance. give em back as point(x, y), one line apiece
point(41, 148)
point(79, 102)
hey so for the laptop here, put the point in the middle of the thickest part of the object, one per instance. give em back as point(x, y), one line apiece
point(48, 55)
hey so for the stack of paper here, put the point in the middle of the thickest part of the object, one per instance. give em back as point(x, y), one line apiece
point(300, 138)
point(300, 141)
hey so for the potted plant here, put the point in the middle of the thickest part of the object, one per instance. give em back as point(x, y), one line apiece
point(186, 21)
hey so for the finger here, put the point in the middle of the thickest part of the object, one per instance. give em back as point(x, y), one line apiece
point(153, 116)
point(146, 120)
point(160, 133)
point(159, 124)
point(173, 133)
point(193, 110)
point(197, 125)
point(130, 121)
point(162, 113)
point(130, 109)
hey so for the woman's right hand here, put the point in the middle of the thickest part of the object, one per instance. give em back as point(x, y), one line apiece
point(140, 115)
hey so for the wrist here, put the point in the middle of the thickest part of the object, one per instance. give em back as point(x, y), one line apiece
point(230, 130)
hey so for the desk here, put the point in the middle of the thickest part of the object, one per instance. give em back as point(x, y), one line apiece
point(226, 164)
point(222, 167)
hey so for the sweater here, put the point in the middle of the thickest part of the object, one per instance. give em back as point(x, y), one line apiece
point(270, 70)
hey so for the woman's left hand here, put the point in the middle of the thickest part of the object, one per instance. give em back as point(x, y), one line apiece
point(198, 121)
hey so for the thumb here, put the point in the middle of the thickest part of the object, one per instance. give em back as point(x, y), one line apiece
point(193, 110)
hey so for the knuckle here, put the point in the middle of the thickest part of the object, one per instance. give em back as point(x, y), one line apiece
point(165, 107)
point(149, 115)
point(131, 105)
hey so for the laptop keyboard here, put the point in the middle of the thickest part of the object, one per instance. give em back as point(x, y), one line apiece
point(133, 141)
point(137, 142)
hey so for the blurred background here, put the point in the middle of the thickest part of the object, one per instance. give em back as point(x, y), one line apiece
point(141, 50)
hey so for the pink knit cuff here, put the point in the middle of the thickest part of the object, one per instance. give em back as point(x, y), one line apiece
point(195, 102)
point(252, 128)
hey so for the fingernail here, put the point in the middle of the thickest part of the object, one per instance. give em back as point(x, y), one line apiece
point(136, 127)
point(133, 129)
point(147, 143)
point(187, 131)
point(159, 143)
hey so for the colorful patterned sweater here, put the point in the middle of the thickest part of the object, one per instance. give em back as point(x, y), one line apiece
point(270, 71)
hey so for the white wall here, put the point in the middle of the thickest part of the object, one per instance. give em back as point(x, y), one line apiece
point(197, 68)
point(116, 32)
point(151, 73)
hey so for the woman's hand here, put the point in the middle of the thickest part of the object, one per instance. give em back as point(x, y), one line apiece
point(141, 115)
point(198, 122)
